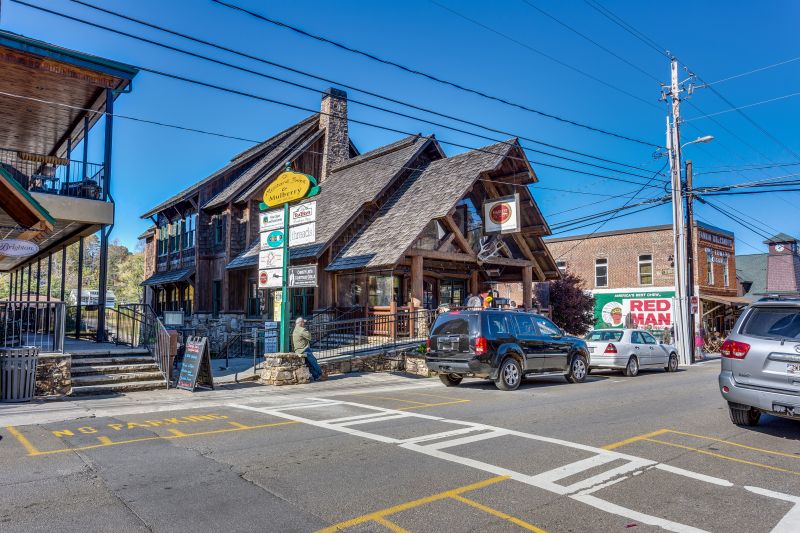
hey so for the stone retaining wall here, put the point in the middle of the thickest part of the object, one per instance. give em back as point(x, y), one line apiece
point(54, 375)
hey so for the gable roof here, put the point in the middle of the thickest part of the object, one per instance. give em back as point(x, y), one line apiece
point(780, 237)
point(429, 194)
point(239, 160)
point(753, 269)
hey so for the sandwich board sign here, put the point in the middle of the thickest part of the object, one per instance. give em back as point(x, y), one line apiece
point(196, 367)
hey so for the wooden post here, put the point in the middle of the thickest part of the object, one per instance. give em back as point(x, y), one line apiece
point(417, 286)
point(527, 287)
point(473, 283)
point(393, 319)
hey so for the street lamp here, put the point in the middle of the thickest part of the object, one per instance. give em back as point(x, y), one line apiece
point(704, 139)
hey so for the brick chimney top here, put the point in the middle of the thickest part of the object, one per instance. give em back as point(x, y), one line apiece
point(333, 120)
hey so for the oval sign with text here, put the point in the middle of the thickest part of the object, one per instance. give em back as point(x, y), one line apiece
point(17, 248)
point(500, 213)
point(287, 187)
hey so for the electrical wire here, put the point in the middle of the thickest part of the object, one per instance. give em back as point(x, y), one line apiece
point(760, 69)
point(430, 76)
point(584, 237)
point(333, 82)
point(722, 170)
point(731, 110)
point(627, 27)
point(587, 218)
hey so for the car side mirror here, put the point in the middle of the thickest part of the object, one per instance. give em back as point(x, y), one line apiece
point(557, 335)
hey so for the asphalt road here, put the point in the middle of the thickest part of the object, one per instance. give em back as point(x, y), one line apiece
point(655, 452)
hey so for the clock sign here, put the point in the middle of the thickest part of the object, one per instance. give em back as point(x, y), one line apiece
point(779, 248)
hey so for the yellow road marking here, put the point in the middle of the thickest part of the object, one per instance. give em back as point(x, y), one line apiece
point(615, 445)
point(397, 399)
point(390, 525)
point(430, 405)
point(521, 523)
point(726, 457)
point(238, 425)
point(773, 452)
point(410, 505)
point(434, 395)
point(105, 440)
point(33, 451)
point(177, 432)
point(30, 448)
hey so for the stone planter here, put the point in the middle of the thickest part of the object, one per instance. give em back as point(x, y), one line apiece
point(285, 369)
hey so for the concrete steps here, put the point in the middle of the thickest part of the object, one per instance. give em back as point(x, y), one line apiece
point(114, 371)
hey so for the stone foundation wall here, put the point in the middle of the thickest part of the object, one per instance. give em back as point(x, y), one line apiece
point(285, 369)
point(54, 375)
point(415, 364)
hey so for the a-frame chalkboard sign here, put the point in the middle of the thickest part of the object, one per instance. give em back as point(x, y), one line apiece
point(196, 367)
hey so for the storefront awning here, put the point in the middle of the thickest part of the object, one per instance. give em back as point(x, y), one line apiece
point(172, 276)
point(736, 301)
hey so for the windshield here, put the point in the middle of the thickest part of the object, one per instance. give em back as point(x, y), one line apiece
point(773, 322)
point(604, 335)
point(455, 324)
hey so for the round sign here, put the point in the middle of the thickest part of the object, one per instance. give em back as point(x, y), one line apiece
point(500, 213)
point(612, 314)
point(17, 248)
point(262, 278)
point(275, 239)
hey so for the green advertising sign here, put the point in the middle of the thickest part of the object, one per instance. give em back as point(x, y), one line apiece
point(649, 309)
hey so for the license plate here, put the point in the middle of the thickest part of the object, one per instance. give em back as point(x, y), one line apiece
point(447, 345)
point(591, 349)
point(793, 369)
point(786, 410)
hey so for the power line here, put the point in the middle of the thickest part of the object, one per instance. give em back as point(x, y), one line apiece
point(784, 97)
point(722, 170)
point(588, 218)
point(627, 27)
point(333, 82)
point(760, 69)
point(429, 76)
point(543, 54)
point(653, 206)
point(586, 37)
point(733, 218)
point(317, 91)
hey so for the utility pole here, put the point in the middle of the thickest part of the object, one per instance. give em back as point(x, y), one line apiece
point(679, 315)
point(690, 256)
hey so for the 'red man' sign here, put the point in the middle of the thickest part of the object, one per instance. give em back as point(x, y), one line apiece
point(655, 312)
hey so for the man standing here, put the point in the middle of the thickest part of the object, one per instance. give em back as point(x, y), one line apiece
point(301, 340)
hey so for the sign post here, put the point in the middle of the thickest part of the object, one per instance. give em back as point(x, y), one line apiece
point(287, 187)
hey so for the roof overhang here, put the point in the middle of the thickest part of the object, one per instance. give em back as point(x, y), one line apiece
point(171, 276)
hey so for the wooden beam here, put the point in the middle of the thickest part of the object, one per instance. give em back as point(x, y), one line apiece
point(535, 230)
point(443, 256)
point(447, 240)
point(509, 262)
point(417, 286)
point(459, 237)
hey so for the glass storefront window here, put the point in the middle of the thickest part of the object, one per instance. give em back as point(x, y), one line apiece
point(452, 292)
point(383, 289)
point(349, 289)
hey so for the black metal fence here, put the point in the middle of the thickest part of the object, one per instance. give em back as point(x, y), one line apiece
point(52, 175)
point(33, 323)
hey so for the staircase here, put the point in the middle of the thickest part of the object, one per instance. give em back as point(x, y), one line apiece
point(115, 371)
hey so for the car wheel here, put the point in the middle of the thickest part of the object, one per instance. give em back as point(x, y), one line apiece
point(450, 380)
point(578, 370)
point(510, 375)
point(672, 364)
point(744, 417)
point(632, 368)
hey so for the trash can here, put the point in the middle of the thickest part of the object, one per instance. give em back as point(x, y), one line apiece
point(18, 373)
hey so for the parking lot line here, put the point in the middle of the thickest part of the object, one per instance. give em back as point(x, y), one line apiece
point(425, 405)
point(390, 525)
point(397, 399)
point(499, 514)
point(30, 448)
point(726, 457)
point(382, 514)
point(615, 445)
point(772, 452)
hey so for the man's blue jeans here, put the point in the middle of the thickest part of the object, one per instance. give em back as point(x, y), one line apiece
point(313, 365)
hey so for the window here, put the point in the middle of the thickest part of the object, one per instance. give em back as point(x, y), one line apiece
point(188, 300)
point(174, 236)
point(601, 272)
point(773, 323)
point(546, 327)
point(710, 271)
point(452, 292)
point(604, 335)
point(216, 298)
point(648, 339)
point(562, 266)
point(646, 269)
point(725, 276)
point(524, 324)
point(383, 289)
point(219, 227)
point(497, 324)
point(636, 338)
point(161, 244)
point(188, 231)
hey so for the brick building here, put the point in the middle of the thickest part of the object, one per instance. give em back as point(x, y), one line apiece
point(775, 272)
point(631, 275)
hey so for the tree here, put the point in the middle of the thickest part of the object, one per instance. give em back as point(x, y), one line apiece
point(572, 307)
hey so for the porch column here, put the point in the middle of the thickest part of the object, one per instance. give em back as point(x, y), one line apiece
point(527, 287)
point(473, 282)
point(417, 286)
point(106, 183)
point(79, 291)
point(63, 272)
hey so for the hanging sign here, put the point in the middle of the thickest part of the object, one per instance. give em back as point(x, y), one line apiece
point(270, 259)
point(287, 187)
point(271, 278)
point(272, 239)
point(302, 276)
point(269, 220)
point(196, 367)
point(502, 215)
point(17, 248)
point(305, 234)
point(303, 213)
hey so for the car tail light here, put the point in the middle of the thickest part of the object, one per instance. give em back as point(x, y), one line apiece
point(734, 349)
point(611, 348)
point(428, 345)
point(481, 346)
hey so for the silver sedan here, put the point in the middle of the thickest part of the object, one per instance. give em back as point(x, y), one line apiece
point(629, 350)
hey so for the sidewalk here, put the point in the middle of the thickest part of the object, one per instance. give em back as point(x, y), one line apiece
point(47, 411)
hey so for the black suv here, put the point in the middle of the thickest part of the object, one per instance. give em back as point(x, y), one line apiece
point(504, 346)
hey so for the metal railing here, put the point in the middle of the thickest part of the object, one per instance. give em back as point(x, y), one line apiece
point(137, 325)
point(54, 175)
point(39, 324)
point(87, 329)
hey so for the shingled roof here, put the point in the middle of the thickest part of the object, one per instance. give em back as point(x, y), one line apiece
point(429, 194)
point(242, 159)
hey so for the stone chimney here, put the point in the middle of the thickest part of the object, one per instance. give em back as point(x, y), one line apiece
point(333, 119)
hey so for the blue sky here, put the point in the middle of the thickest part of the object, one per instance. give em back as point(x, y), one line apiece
point(717, 39)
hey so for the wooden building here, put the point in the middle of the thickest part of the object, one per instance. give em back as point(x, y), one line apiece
point(400, 225)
